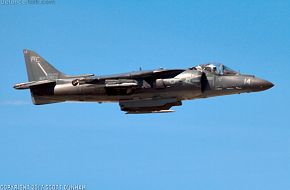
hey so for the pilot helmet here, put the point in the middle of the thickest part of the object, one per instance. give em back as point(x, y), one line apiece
point(210, 67)
point(199, 68)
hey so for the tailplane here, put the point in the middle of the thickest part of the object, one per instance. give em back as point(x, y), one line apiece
point(42, 78)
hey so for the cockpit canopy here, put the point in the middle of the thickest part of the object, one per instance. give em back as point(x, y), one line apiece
point(219, 69)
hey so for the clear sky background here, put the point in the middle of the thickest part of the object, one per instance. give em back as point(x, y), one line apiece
point(231, 142)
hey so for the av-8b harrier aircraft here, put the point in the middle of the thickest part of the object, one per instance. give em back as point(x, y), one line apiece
point(153, 91)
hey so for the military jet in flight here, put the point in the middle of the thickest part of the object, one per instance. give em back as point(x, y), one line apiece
point(152, 91)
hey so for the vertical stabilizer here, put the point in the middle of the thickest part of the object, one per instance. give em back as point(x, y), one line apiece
point(38, 68)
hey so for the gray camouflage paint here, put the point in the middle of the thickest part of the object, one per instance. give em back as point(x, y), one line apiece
point(154, 91)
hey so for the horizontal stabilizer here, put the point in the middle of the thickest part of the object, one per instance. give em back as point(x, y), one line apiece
point(27, 85)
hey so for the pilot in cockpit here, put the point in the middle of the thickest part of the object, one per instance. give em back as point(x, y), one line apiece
point(216, 69)
point(210, 68)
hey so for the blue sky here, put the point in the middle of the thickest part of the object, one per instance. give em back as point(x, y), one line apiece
point(230, 142)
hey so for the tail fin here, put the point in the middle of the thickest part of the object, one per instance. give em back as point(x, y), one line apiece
point(39, 69)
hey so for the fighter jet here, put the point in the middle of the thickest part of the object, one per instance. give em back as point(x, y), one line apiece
point(151, 91)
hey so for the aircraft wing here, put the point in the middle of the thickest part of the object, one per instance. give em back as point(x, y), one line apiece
point(143, 74)
point(149, 105)
point(151, 74)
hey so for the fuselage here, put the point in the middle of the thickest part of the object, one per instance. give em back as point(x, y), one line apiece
point(189, 84)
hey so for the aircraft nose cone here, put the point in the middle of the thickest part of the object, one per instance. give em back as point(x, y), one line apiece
point(261, 84)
